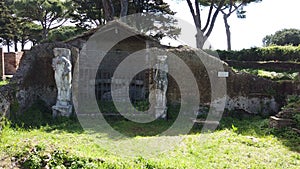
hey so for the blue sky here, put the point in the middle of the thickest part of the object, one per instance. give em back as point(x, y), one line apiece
point(262, 19)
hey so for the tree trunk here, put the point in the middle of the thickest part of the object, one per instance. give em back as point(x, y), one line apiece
point(16, 44)
point(228, 33)
point(44, 33)
point(124, 8)
point(22, 44)
point(108, 10)
point(200, 39)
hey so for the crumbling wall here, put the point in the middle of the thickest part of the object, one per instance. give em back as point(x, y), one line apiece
point(34, 80)
point(11, 62)
point(245, 92)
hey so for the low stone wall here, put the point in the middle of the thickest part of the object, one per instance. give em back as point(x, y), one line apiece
point(244, 91)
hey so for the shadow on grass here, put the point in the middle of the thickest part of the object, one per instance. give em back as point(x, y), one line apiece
point(117, 126)
point(39, 116)
point(258, 126)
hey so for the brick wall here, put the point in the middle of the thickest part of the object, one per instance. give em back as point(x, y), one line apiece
point(11, 62)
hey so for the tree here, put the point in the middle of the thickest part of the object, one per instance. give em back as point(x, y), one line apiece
point(64, 33)
point(87, 13)
point(204, 30)
point(108, 8)
point(230, 7)
point(91, 13)
point(30, 31)
point(50, 14)
point(7, 24)
point(124, 8)
point(283, 37)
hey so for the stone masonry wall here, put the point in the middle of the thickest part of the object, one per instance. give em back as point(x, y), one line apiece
point(245, 92)
point(34, 80)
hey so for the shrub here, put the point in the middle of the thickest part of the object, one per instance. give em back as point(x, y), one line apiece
point(270, 53)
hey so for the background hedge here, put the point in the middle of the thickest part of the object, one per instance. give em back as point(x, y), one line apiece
point(271, 53)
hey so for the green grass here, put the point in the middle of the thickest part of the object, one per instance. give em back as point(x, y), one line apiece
point(3, 82)
point(273, 75)
point(238, 143)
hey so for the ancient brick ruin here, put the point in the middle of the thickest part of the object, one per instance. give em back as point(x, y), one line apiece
point(9, 63)
point(34, 79)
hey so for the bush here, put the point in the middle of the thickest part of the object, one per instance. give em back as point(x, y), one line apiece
point(37, 157)
point(271, 53)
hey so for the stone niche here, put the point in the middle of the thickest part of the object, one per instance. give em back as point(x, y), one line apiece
point(34, 80)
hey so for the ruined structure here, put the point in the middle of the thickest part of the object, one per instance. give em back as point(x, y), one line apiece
point(9, 63)
point(34, 80)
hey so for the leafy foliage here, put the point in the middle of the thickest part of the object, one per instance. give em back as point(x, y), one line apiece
point(283, 37)
point(8, 26)
point(3, 82)
point(50, 14)
point(90, 13)
point(277, 76)
point(64, 33)
point(270, 53)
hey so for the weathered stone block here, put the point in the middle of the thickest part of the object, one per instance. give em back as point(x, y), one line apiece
point(278, 123)
point(287, 113)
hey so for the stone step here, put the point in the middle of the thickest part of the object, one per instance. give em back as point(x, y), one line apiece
point(287, 113)
point(276, 122)
point(296, 130)
point(203, 122)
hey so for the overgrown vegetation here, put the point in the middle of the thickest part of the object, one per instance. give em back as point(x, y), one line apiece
point(3, 82)
point(293, 105)
point(61, 143)
point(270, 53)
point(36, 140)
point(273, 75)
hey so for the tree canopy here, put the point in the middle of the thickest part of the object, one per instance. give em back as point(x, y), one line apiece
point(50, 14)
point(8, 25)
point(283, 37)
point(91, 13)
point(40, 21)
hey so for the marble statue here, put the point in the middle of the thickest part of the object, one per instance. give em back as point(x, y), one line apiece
point(62, 67)
point(161, 85)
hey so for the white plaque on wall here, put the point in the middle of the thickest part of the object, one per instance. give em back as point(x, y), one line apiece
point(223, 74)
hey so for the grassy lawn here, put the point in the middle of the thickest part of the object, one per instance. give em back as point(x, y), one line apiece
point(238, 143)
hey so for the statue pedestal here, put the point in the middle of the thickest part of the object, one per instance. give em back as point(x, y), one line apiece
point(63, 110)
point(160, 112)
